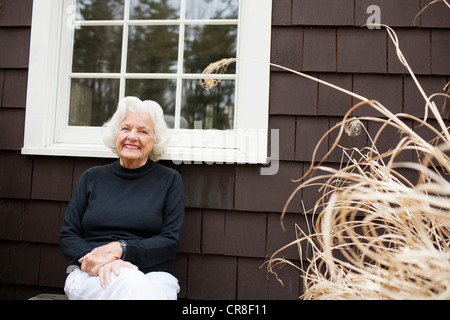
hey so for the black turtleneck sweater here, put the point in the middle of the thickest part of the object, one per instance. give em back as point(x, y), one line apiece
point(143, 206)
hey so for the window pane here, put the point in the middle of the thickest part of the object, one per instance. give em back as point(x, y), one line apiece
point(209, 43)
point(153, 49)
point(155, 9)
point(100, 9)
point(212, 9)
point(93, 101)
point(161, 91)
point(215, 108)
point(97, 49)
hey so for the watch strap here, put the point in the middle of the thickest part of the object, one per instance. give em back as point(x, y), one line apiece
point(124, 244)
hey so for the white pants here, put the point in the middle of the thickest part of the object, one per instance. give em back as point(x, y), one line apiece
point(129, 285)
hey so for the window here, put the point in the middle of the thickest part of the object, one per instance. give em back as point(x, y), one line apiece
point(103, 50)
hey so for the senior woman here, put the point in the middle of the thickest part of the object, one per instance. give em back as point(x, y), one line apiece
point(124, 222)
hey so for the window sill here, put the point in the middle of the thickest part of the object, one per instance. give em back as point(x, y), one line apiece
point(175, 154)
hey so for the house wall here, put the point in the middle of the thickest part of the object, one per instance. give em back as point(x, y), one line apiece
point(232, 211)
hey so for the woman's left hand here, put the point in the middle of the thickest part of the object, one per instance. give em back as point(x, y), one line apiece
point(94, 260)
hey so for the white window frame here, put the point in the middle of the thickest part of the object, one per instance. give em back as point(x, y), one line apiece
point(247, 143)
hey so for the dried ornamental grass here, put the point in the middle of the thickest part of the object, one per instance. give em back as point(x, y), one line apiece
point(378, 235)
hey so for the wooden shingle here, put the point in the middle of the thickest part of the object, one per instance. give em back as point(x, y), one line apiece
point(414, 102)
point(5, 251)
point(308, 134)
point(332, 102)
point(266, 193)
point(52, 178)
point(208, 186)
point(283, 231)
point(191, 238)
point(286, 137)
point(2, 81)
point(388, 139)
point(14, 51)
point(245, 234)
point(213, 232)
point(211, 277)
point(53, 267)
point(319, 53)
point(11, 219)
point(15, 175)
point(41, 222)
point(252, 283)
point(386, 89)
point(291, 94)
point(435, 15)
point(15, 88)
point(287, 48)
point(440, 39)
point(290, 286)
point(12, 123)
point(322, 12)
point(281, 12)
point(361, 50)
point(415, 46)
point(16, 13)
point(24, 263)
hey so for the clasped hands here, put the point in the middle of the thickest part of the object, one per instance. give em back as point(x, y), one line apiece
point(103, 260)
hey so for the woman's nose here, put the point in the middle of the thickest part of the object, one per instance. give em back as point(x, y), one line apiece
point(132, 136)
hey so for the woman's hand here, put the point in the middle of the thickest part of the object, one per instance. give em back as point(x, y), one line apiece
point(104, 273)
point(94, 260)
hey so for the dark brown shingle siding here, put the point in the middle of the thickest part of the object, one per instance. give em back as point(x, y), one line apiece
point(15, 47)
point(322, 12)
point(16, 12)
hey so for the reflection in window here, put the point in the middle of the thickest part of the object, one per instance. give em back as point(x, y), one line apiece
point(163, 91)
point(92, 101)
point(97, 49)
point(212, 9)
point(100, 9)
point(155, 9)
point(209, 43)
point(215, 108)
point(152, 49)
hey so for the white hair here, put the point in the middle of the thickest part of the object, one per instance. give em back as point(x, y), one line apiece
point(133, 104)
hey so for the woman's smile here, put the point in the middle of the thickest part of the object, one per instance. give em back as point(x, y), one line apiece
point(132, 147)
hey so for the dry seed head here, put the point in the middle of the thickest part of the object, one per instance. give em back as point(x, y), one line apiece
point(353, 128)
point(218, 67)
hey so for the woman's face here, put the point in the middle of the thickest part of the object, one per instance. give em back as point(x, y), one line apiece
point(135, 139)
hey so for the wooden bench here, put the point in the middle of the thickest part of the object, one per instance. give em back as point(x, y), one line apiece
point(49, 296)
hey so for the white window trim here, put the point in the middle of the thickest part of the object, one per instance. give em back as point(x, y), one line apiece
point(246, 144)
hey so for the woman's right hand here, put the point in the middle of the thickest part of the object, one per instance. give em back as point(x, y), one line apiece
point(94, 260)
point(104, 273)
